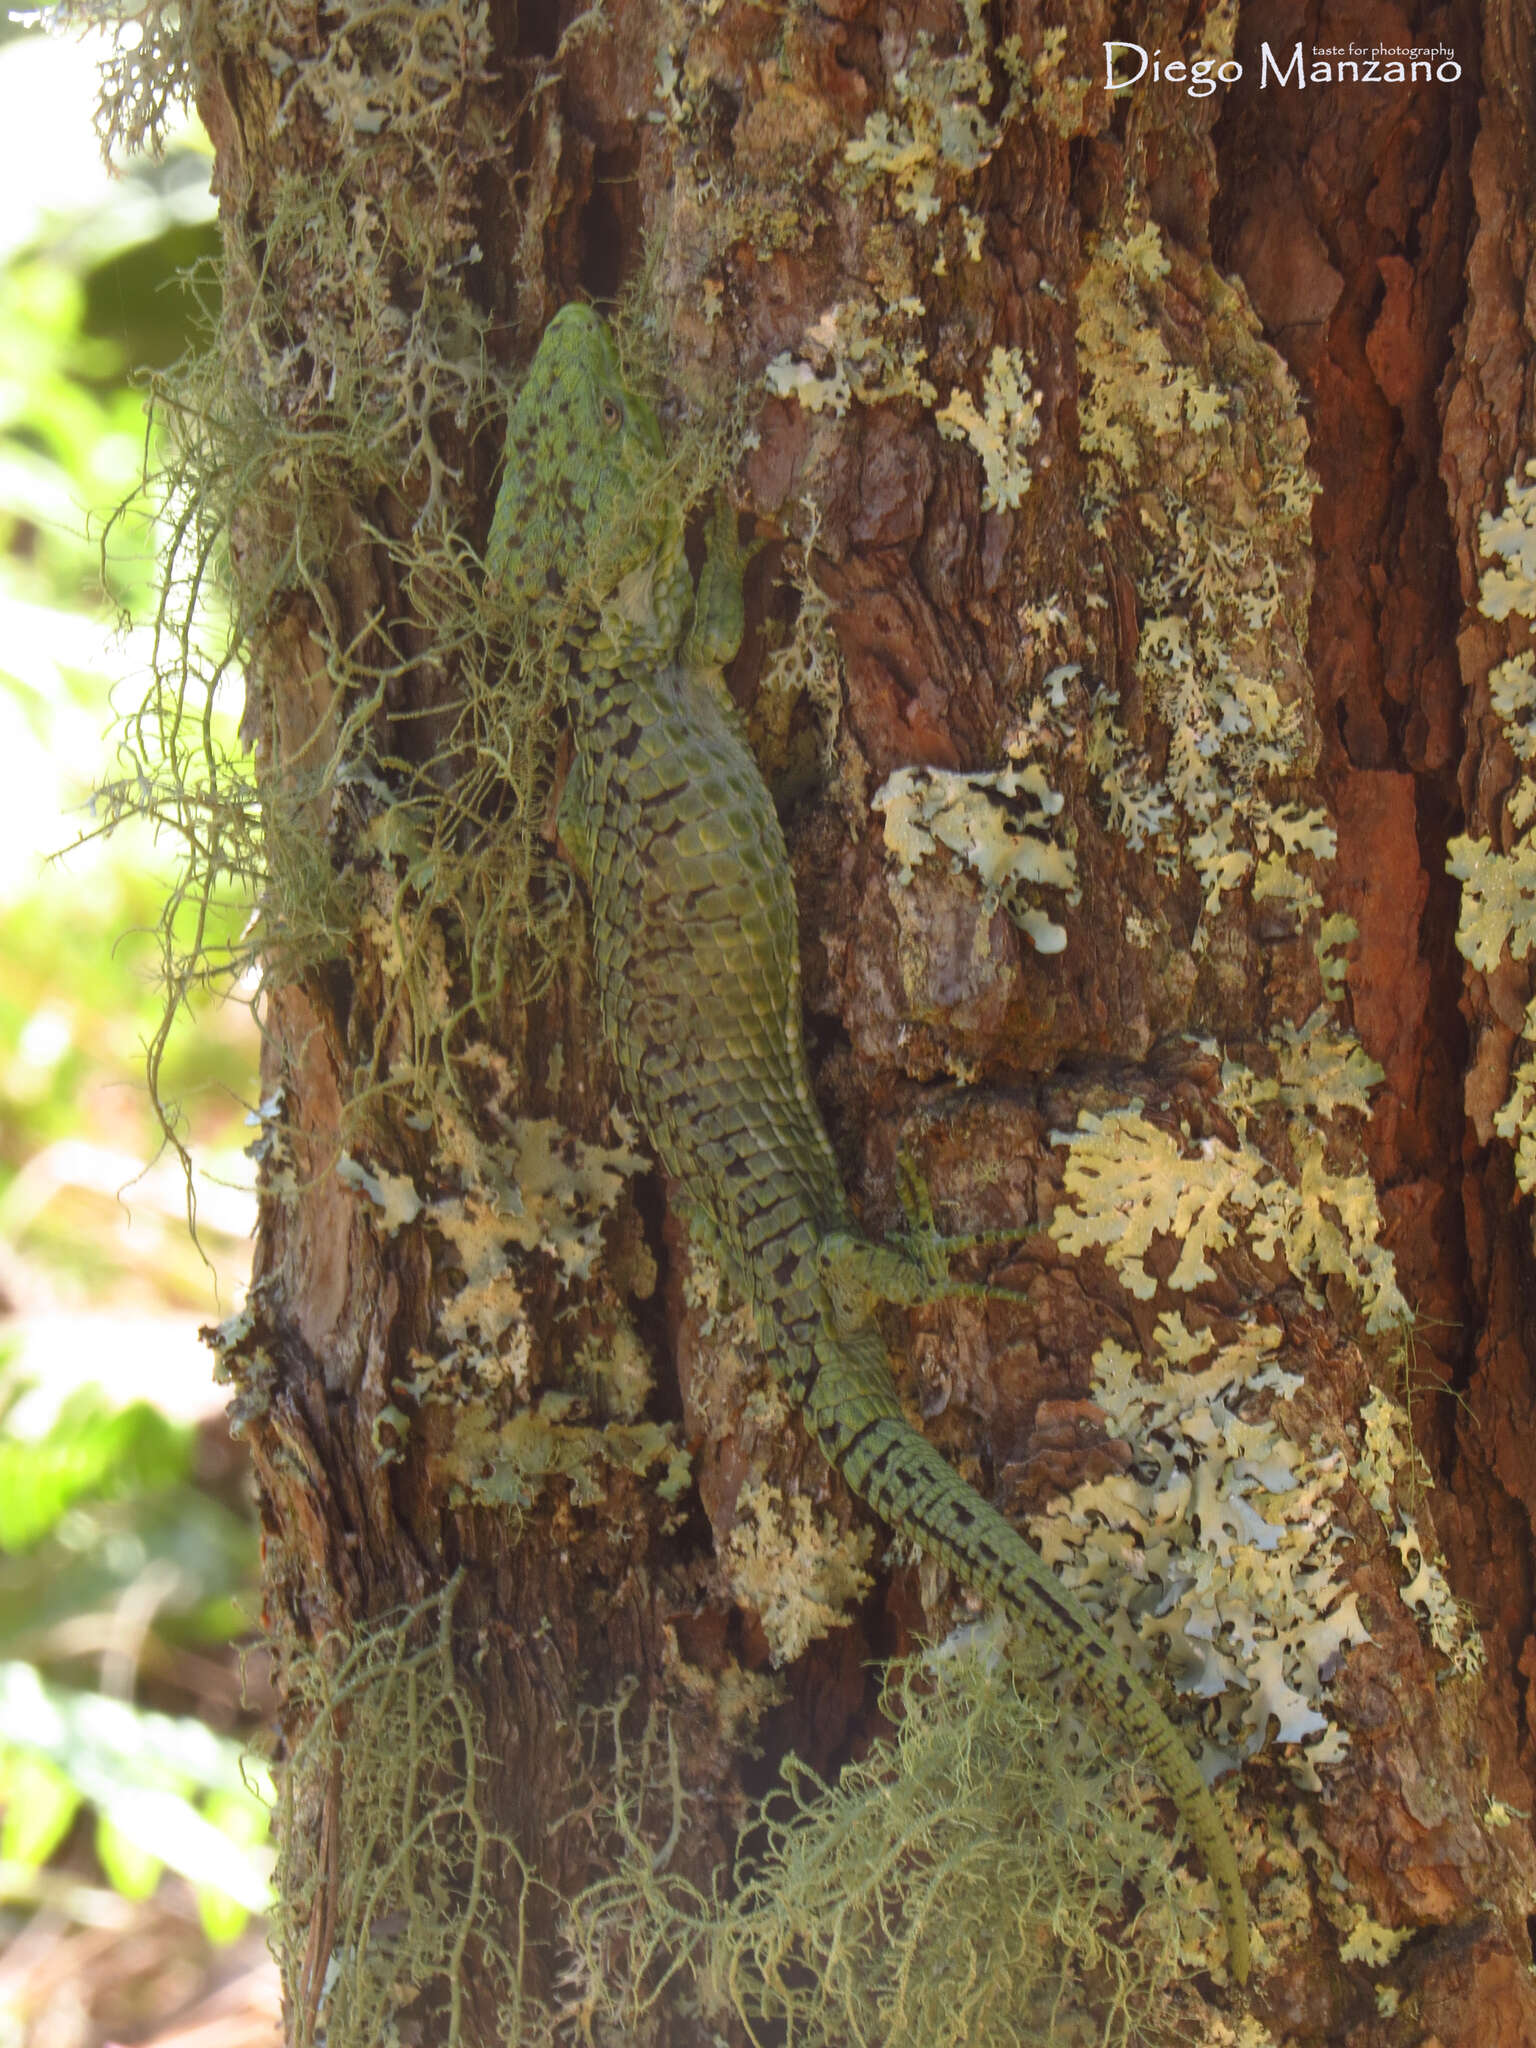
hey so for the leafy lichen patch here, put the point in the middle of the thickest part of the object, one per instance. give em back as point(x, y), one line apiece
point(940, 124)
point(993, 824)
point(1220, 499)
point(1214, 1556)
point(1129, 1183)
point(798, 1574)
point(1498, 883)
point(1386, 1451)
point(539, 1189)
point(1448, 1621)
point(507, 1462)
point(1002, 429)
point(857, 351)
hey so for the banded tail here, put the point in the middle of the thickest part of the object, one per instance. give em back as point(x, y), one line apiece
point(911, 1486)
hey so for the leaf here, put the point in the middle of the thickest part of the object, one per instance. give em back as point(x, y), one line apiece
point(92, 1451)
point(132, 1870)
point(140, 1771)
point(40, 1803)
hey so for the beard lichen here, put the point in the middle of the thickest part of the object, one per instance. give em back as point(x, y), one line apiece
point(989, 1875)
point(396, 1888)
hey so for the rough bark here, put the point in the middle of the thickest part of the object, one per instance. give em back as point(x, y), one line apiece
point(1382, 239)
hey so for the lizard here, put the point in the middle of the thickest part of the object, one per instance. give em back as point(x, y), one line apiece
point(673, 833)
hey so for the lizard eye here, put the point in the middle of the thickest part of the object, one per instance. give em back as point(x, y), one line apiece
point(613, 412)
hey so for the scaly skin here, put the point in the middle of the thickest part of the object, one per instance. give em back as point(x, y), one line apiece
point(671, 826)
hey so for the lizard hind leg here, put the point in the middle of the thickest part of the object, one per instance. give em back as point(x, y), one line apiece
point(912, 1266)
point(907, 1272)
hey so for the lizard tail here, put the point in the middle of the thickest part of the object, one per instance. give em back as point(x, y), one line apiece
point(911, 1486)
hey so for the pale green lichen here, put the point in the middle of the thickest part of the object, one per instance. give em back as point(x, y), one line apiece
point(1498, 896)
point(1056, 95)
point(1129, 1183)
point(394, 1195)
point(1371, 1943)
point(1336, 932)
point(1002, 430)
point(798, 1574)
point(1390, 1464)
point(858, 351)
point(508, 1461)
point(1221, 501)
point(1140, 810)
point(807, 665)
point(941, 124)
point(1498, 899)
point(1496, 1814)
point(1448, 1621)
point(990, 823)
point(1214, 1558)
point(1387, 1453)
point(990, 1875)
point(537, 1189)
point(1510, 537)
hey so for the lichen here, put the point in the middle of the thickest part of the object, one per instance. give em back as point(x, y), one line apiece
point(1213, 1558)
point(397, 1888)
point(799, 1575)
point(1129, 1183)
point(536, 1189)
point(941, 125)
point(859, 352)
point(1221, 502)
point(1370, 1943)
point(806, 665)
point(1002, 430)
point(507, 1461)
point(991, 1874)
point(1498, 895)
point(990, 823)
point(1449, 1622)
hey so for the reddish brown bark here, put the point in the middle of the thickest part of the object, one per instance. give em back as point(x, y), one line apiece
point(1383, 240)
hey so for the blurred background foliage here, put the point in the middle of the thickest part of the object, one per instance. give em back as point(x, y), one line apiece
point(132, 1823)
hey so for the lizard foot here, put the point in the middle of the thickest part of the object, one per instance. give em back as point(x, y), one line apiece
point(912, 1266)
point(923, 1245)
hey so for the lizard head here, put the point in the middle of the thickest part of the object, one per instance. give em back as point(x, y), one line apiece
point(581, 452)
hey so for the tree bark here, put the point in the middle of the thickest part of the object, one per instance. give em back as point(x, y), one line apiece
point(1340, 269)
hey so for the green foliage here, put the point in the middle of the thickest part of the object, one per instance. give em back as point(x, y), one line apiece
point(147, 1778)
point(92, 1450)
point(92, 1514)
point(988, 1876)
point(78, 1001)
point(102, 1503)
point(108, 1552)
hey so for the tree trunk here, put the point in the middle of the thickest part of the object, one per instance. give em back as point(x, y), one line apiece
point(1035, 374)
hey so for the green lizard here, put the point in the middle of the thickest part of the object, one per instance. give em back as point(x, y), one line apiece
point(667, 819)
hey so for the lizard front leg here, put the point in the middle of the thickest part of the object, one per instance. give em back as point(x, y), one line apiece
point(719, 608)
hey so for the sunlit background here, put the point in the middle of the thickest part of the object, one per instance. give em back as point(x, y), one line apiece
point(133, 1862)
